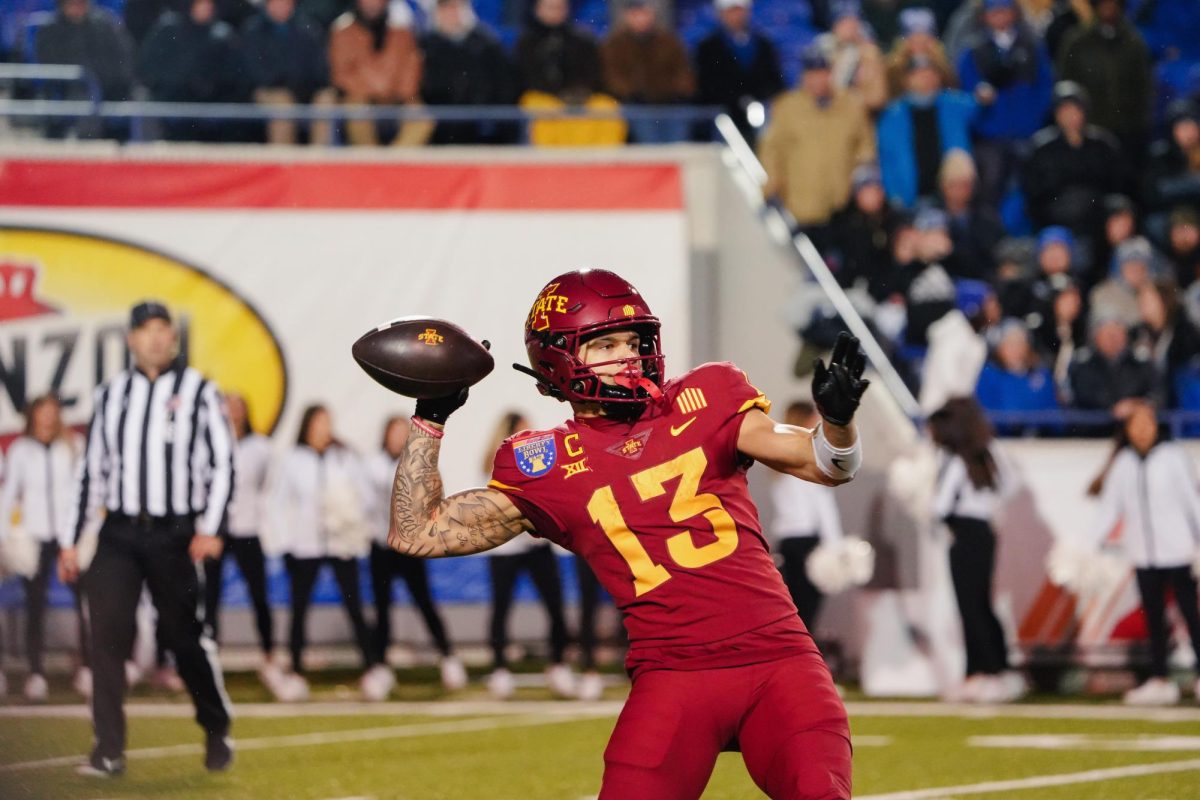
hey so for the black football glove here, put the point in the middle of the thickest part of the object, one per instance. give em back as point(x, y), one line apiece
point(439, 409)
point(838, 389)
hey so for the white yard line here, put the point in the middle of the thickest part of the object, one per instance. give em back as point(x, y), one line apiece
point(1040, 781)
point(1059, 711)
point(450, 708)
point(1144, 743)
point(327, 737)
point(871, 741)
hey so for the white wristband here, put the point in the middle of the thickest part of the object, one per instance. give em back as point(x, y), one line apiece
point(839, 463)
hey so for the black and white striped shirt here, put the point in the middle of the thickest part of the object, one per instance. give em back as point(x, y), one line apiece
point(162, 449)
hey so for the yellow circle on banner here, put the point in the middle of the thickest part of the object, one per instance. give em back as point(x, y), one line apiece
point(68, 275)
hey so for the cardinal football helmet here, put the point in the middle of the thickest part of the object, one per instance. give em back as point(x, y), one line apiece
point(579, 306)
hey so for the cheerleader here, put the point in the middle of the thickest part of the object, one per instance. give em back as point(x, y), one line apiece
point(387, 565)
point(318, 496)
point(252, 458)
point(1150, 486)
point(34, 507)
point(973, 483)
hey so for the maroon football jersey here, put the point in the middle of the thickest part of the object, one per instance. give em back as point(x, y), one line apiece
point(660, 510)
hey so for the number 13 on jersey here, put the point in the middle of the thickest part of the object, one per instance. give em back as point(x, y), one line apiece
point(685, 505)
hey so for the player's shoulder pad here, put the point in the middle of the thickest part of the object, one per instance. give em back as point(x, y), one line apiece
point(524, 457)
point(719, 383)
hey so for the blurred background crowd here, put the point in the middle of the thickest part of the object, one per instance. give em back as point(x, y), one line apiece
point(1032, 163)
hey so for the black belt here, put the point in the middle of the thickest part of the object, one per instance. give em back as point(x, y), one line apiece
point(146, 520)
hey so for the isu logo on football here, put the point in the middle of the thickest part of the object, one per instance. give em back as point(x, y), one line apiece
point(539, 319)
point(431, 337)
point(64, 307)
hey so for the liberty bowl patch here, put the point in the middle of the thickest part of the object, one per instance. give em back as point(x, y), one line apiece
point(536, 455)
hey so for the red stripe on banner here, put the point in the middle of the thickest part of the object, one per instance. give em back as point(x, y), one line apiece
point(479, 187)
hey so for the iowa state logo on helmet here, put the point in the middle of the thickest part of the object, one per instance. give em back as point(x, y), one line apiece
point(549, 300)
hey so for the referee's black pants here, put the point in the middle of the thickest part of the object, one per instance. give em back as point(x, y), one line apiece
point(1152, 585)
point(542, 565)
point(386, 566)
point(248, 553)
point(972, 562)
point(153, 550)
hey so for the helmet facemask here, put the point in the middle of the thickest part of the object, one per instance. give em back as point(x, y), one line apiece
point(631, 390)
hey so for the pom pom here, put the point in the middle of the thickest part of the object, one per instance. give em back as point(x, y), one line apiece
point(343, 520)
point(1082, 572)
point(837, 566)
point(21, 552)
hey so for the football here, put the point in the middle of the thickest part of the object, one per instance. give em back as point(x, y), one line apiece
point(422, 357)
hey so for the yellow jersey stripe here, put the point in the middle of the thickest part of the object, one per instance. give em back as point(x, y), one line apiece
point(756, 402)
point(494, 484)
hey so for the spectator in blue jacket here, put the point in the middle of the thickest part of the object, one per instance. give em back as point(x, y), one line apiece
point(917, 130)
point(1008, 71)
point(1014, 379)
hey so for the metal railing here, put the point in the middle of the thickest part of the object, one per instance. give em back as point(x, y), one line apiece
point(1079, 422)
point(138, 112)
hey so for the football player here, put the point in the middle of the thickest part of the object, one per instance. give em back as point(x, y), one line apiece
point(647, 482)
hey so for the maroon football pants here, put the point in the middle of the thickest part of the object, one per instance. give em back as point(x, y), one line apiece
point(785, 716)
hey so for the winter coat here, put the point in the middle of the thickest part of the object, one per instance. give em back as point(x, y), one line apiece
point(1064, 185)
point(391, 74)
point(723, 80)
point(471, 71)
point(290, 56)
point(1170, 180)
point(897, 153)
point(1156, 499)
point(560, 60)
point(1023, 80)
point(1098, 383)
point(181, 61)
point(647, 69)
point(1115, 71)
point(809, 152)
point(98, 43)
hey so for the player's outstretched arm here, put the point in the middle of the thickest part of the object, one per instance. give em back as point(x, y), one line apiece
point(829, 454)
point(426, 523)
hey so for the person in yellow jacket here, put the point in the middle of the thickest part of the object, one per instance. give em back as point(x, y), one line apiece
point(815, 139)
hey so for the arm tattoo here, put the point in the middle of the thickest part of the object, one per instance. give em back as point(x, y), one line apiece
point(429, 525)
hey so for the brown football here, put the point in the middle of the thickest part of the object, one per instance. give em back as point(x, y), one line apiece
point(422, 357)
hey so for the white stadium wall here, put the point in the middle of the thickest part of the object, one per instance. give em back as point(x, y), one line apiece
point(278, 260)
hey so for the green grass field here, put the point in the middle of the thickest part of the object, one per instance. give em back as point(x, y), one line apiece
point(466, 746)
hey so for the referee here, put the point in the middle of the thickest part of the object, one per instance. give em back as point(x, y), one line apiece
point(159, 459)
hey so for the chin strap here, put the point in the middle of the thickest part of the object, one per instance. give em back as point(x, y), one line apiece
point(640, 382)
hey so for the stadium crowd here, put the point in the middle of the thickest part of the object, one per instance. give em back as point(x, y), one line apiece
point(1037, 166)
